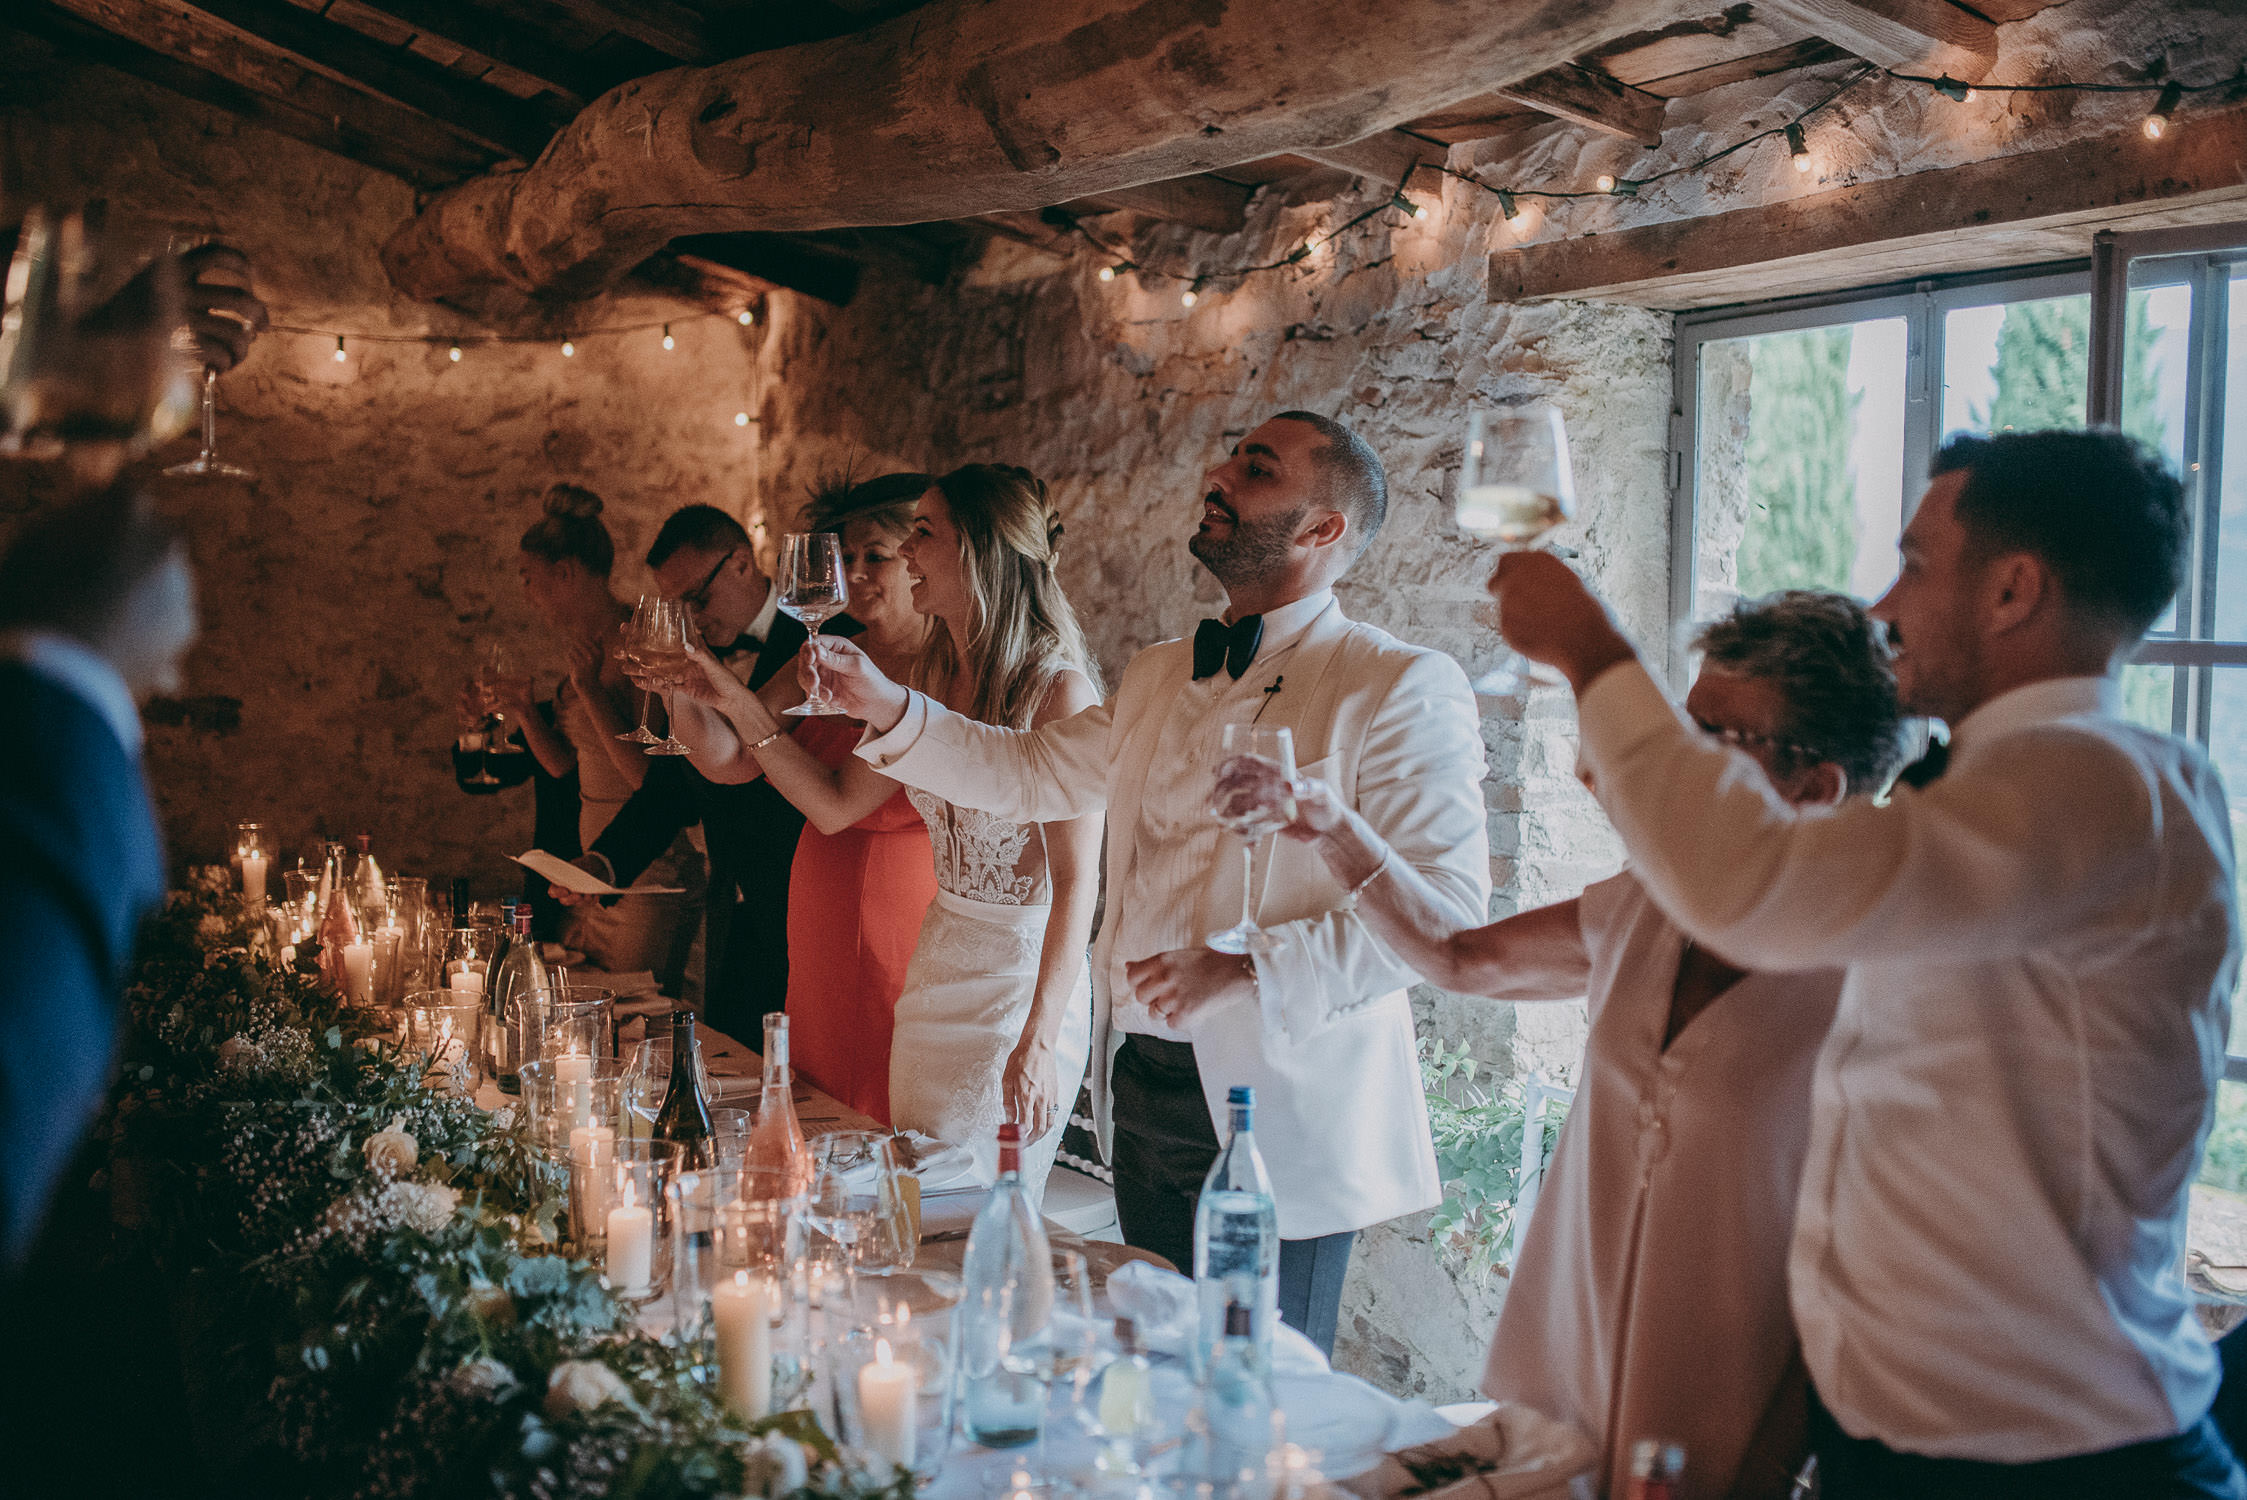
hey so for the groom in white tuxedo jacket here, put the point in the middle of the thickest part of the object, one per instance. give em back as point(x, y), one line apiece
point(1319, 1025)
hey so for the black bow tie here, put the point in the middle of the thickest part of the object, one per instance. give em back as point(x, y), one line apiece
point(1233, 647)
point(1929, 766)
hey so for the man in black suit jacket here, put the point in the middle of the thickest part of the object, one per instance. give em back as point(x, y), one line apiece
point(96, 609)
point(704, 557)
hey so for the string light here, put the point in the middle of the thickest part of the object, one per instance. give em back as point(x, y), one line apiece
point(1605, 182)
point(1798, 148)
point(1107, 273)
point(1507, 204)
point(745, 317)
point(668, 341)
point(340, 356)
point(741, 419)
point(2158, 121)
point(568, 349)
point(453, 353)
point(1405, 205)
point(1192, 294)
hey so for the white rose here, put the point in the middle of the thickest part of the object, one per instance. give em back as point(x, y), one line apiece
point(581, 1385)
point(483, 1376)
point(391, 1152)
point(773, 1465)
point(426, 1206)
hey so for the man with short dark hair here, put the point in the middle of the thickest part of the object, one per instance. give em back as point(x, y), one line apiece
point(1319, 1024)
point(2040, 943)
point(704, 557)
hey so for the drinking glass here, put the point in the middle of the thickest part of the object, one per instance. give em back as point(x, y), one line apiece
point(913, 1313)
point(730, 1129)
point(1252, 824)
point(583, 1022)
point(857, 1202)
point(813, 590)
point(638, 629)
point(646, 1079)
point(663, 649)
point(444, 1029)
point(556, 1108)
point(207, 463)
point(477, 741)
point(1514, 486)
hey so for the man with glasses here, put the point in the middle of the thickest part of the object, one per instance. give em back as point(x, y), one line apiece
point(704, 558)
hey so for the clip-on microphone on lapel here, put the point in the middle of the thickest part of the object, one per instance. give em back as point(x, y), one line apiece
point(1268, 694)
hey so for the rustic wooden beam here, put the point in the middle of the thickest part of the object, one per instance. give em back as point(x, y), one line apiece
point(1209, 203)
point(1810, 52)
point(491, 119)
point(357, 117)
point(1694, 42)
point(1592, 100)
point(669, 28)
point(486, 35)
point(1912, 36)
point(966, 107)
point(435, 162)
point(1390, 159)
point(780, 259)
point(2010, 210)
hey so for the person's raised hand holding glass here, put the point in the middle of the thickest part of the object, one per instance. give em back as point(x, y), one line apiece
point(852, 682)
point(1548, 614)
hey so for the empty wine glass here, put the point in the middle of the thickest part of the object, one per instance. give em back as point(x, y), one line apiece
point(207, 463)
point(1514, 486)
point(1252, 823)
point(636, 631)
point(813, 590)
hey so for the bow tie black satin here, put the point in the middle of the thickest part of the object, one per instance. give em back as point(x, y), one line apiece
point(1233, 647)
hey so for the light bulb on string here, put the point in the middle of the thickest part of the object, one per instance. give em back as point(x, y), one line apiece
point(1507, 205)
point(1798, 148)
point(668, 341)
point(568, 349)
point(453, 353)
point(1605, 182)
point(1107, 273)
point(1951, 88)
point(340, 356)
point(741, 419)
point(745, 317)
point(2157, 121)
point(1192, 294)
point(1405, 205)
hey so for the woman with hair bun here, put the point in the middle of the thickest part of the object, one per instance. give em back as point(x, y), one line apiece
point(565, 561)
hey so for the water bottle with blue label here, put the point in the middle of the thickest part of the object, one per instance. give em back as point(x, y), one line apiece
point(1237, 1238)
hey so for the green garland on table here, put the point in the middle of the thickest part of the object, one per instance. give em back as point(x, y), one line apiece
point(381, 1261)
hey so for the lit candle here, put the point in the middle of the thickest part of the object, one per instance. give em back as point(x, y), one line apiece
point(253, 875)
point(466, 982)
point(592, 1148)
point(738, 1309)
point(358, 971)
point(631, 1244)
point(885, 1406)
point(573, 1074)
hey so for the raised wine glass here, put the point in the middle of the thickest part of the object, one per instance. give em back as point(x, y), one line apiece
point(1252, 824)
point(665, 652)
point(636, 633)
point(207, 464)
point(1513, 488)
point(813, 590)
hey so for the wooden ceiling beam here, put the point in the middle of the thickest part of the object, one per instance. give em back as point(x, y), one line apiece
point(348, 58)
point(985, 106)
point(1208, 203)
point(2008, 210)
point(486, 35)
point(669, 28)
point(1931, 37)
point(1810, 52)
point(359, 125)
point(1592, 100)
point(783, 260)
point(1391, 159)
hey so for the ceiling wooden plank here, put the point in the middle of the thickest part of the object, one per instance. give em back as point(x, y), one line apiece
point(2037, 205)
point(1593, 100)
point(1810, 52)
point(1204, 202)
point(2002, 11)
point(1390, 159)
point(780, 259)
point(1695, 42)
point(669, 28)
point(1932, 37)
point(470, 29)
point(358, 116)
point(433, 162)
point(357, 61)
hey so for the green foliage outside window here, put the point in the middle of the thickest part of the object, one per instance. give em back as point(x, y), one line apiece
point(1802, 494)
point(1478, 1129)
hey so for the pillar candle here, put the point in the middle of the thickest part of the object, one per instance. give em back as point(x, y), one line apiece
point(466, 982)
point(358, 972)
point(253, 876)
point(631, 1244)
point(738, 1309)
point(592, 1150)
point(885, 1406)
point(573, 1076)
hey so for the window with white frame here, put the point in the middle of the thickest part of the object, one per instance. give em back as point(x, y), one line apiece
point(1805, 430)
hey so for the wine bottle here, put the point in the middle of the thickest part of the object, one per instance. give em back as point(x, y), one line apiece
point(516, 1009)
point(776, 1140)
point(1236, 1237)
point(338, 927)
point(370, 894)
point(465, 964)
point(1006, 1306)
point(685, 1115)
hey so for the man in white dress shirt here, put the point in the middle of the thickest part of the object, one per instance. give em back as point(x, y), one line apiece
point(2041, 946)
point(1319, 1025)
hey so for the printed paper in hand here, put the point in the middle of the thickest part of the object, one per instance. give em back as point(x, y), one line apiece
point(570, 878)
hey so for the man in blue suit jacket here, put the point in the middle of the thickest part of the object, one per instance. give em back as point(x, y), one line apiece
point(96, 610)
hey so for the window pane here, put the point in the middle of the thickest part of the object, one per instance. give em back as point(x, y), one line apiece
point(2016, 366)
point(1800, 460)
point(2149, 697)
point(2231, 544)
point(2155, 357)
point(2218, 1227)
point(2227, 747)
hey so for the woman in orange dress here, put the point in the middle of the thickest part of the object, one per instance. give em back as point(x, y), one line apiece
point(864, 874)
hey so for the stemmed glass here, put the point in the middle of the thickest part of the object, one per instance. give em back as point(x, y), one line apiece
point(658, 644)
point(489, 668)
point(208, 464)
point(813, 590)
point(635, 631)
point(1252, 823)
point(1514, 486)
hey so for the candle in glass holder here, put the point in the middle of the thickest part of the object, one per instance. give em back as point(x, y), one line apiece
point(466, 983)
point(358, 971)
point(592, 1149)
point(573, 1077)
point(885, 1405)
point(744, 1339)
point(253, 876)
point(631, 1244)
point(389, 944)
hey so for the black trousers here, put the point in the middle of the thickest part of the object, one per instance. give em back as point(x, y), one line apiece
point(1164, 1147)
point(2194, 1465)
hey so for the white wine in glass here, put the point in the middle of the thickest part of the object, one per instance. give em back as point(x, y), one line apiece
point(1515, 486)
point(814, 590)
point(1252, 823)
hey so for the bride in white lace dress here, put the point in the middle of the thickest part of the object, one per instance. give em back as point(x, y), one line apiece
point(995, 1021)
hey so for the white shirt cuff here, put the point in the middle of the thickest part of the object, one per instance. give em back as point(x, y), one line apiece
point(882, 751)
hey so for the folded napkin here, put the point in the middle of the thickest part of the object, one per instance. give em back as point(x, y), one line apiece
point(1162, 1305)
point(1520, 1453)
point(939, 1165)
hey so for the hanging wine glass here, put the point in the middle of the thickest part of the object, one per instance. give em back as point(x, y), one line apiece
point(1513, 488)
point(813, 590)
